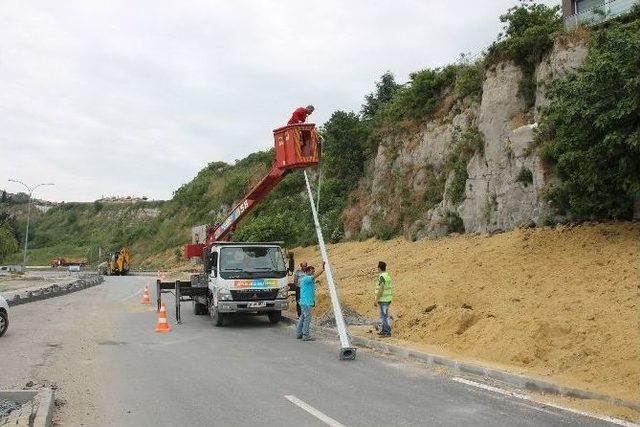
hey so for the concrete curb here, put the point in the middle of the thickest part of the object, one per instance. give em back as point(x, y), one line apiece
point(54, 290)
point(37, 407)
point(143, 273)
point(508, 378)
point(44, 411)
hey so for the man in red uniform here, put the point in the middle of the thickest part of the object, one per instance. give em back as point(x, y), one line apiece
point(300, 115)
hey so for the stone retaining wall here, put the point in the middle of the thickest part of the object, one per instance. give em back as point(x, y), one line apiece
point(50, 291)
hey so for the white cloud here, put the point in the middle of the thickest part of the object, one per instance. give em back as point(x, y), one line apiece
point(133, 98)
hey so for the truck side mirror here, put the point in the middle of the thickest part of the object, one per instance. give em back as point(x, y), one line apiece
point(292, 262)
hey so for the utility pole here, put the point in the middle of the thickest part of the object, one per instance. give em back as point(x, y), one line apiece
point(346, 351)
point(26, 234)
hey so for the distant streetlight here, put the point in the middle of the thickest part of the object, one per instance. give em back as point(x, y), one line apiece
point(26, 234)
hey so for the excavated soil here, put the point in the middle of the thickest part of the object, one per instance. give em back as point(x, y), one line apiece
point(555, 302)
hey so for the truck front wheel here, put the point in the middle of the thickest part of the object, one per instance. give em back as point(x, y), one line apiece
point(199, 308)
point(216, 316)
point(274, 317)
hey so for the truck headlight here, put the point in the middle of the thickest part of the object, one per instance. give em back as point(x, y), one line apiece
point(283, 292)
point(224, 295)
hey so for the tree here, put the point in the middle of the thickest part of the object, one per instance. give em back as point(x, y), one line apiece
point(8, 243)
point(529, 33)
point(386, 87)
point(20, 198)
point(4, 197)
point(591, 130)
point(342, 153)
point(10, 222)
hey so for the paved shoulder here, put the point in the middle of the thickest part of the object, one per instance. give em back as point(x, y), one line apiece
point(100, 347)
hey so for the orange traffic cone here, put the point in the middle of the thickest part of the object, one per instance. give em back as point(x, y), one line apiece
point(162, 325)
point(145, 296)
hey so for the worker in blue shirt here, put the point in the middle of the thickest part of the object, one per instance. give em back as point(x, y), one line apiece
point(296, 284)
point(307, 302)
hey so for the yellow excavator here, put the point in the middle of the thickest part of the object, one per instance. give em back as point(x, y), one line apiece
point(119, 262)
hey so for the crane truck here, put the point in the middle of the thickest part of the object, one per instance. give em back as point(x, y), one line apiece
point(245, 277)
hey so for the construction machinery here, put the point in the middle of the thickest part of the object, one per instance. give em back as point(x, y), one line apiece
point(67, 262)
point(245, 277)
point(119, 262)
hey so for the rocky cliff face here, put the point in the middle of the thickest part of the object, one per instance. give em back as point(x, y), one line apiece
point(413, 185)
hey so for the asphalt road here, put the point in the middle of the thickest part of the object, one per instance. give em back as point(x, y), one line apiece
point(98, 346)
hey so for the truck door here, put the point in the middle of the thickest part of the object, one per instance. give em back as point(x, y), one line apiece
point(211, 263)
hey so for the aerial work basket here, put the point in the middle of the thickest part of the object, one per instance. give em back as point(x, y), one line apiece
point(296, 146)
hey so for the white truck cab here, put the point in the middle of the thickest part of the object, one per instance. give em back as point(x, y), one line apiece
point(243, 278)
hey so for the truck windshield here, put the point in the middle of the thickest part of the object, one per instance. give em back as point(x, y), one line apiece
point(252, 262)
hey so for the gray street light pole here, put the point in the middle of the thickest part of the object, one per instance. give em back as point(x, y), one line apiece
point(26, 234)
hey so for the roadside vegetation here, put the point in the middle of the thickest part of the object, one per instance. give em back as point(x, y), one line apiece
point(10, 234)
point(590, 133)
point(589, 136)
point(529, 34)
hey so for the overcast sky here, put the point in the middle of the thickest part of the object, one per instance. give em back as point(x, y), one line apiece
point(135, 97)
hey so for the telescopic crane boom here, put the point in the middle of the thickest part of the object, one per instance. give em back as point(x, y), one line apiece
point(296, 147)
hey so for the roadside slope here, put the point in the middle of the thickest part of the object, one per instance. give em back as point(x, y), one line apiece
point(560, 303)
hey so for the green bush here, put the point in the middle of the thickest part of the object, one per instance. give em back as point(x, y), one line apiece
point(11, 223)
point(8, 243)
point(469, 79)
point(590, 132)
point(332, 227)
point(490, 205)
point(267, 228)
point(464, 145)
point(525, 176)
point(72, 218)
point(529, 33)
point(342, 150)
point(471, 141)
point(419, 98)
point(18, 198)
point(386, 88)
point(454, 222)
point(549, 221)
point(457, 187)
point(434, 187)
point(234, 187)
point(384, 231)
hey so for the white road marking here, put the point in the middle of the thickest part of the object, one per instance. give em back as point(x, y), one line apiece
point(530, 399)
point(313, 411)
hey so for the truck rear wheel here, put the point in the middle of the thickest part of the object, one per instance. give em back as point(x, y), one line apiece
point(4, 322)
point(216, 316)
point(274, 317)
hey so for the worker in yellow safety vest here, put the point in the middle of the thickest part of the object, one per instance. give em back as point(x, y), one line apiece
point(384, 295)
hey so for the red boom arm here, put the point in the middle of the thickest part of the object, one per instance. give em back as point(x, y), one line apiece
point(296, 147)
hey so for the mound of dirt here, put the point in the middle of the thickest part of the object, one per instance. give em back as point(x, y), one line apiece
point(556, 302)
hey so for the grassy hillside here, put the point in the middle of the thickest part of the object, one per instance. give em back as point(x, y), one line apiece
point(156, 231)
point(284, 215)
point(79, 229)
point(392, 113)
